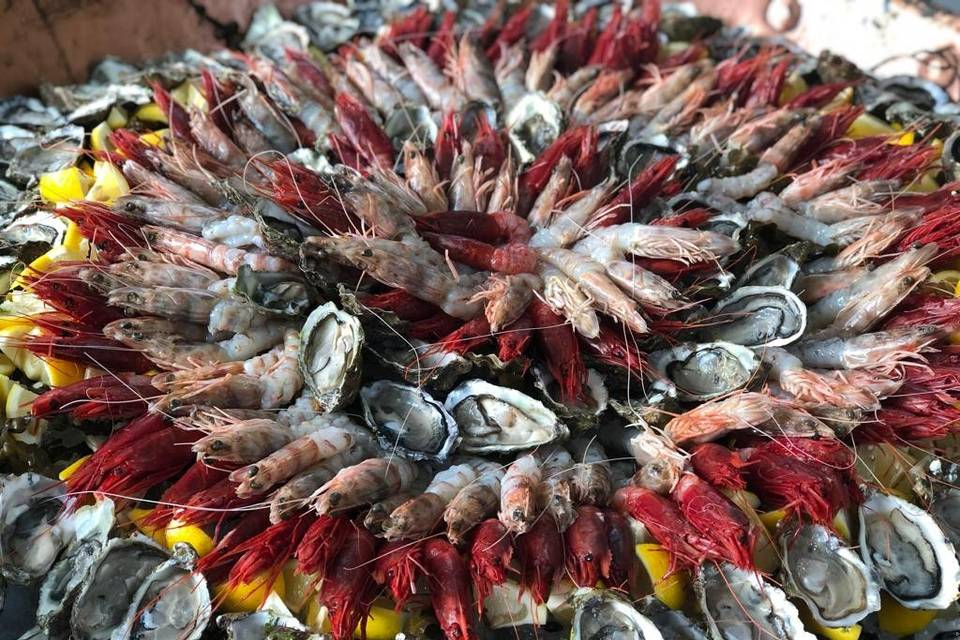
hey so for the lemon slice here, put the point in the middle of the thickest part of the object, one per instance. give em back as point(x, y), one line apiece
point(899, 621)
point(65, 185)
point(668, 589)
point(867, 125)
point(18, 401)
point(150, 112)
point(137, 517)
point(247, 596)
point(794, 86)
point(99, 137)
point(195, 536)
point(110, 183)
point(71, 469)
point(944, 282)
point(117, 117)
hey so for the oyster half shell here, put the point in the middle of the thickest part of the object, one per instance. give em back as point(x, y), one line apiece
point(493, 418)
point(600, 614)
point(330, 354)
point(705, 371)
point(409, 420)
point(909, 552)
point(759, 317)
point(32, 534)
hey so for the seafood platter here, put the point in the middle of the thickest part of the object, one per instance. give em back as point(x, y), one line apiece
point(587, 320)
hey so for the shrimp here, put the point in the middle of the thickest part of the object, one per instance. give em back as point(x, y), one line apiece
point(416, 269)
point(243, 441)
point(297, 491)
point(588, 553)
point(321, 438)
point(192, 305)
point(143, 268)
point(542, 212)
point(883, 350)
point(374, 88)
point(555, 488)
point(592, 278)
point(540, 69)
point(608, 84)
point(450, 595)
point(815, 286)
point(463, 192)
point(366, 482)
point(473, 73)
point(216, 256)
point(856, 200)
point(234, 231)
point(677, 114)
point(490, 556)
point(503, 195)
point(713, 420)
point(473, 503)
point(591, 481)
point(379, 513)
point(569, 225)
point(808, 386)
point(393, 72)
point(541, 558)
point(264, 118)
point(422, 178)
point(717, 519)
point(437, 90)
point(518, 493)
point(417, 517)
point(660, 463)
point(510, 70)
point(186, 216)
point(565, 296)
point(565, 90)
point(264, 382)
point(607, 245)
point(507, 297)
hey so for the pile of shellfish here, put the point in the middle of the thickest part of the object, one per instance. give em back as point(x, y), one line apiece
point(403, 322)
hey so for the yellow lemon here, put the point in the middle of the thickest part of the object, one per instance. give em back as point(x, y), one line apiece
point(117, 117)
point(193, 535)
point(71, 469)
point(137, 517)
point(150, 112)
point(670, 590)
point(897, 620)
point(110, 183)
point(65, 185)
point(771, 519)
point(247, 596)
point(867, 125)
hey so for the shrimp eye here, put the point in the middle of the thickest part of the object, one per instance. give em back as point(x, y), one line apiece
point(367, 253)
point(588, 557)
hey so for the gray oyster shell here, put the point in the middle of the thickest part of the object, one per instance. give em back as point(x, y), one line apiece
point(673, 625)
point(740, 605)
point(409, 420)
point(601, 614)
point(114, 581)
point(497, 419)
point(821, 570)
point(705, 371)
point(578, 414)
point(909, 552)
point(91, 525)
point(331, 344)
point(533, 124)
point(32, 533)
point(759, 317)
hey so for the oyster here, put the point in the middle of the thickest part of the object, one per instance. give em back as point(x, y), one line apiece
point(330, 355)
point(739, 605)
point(705, 371)
point(493, 418)
point(173, 603)
point(580, 413)
point(759, 317)
point(112, 586)
point(673, 624)
point(91, 525)
point(533, 124)
point(272, 621)
point(32, 534)
point(776, 270)
point(599, 614)
point(409, 420)
point(909, 552)
point(826, 574)
point(419, 364)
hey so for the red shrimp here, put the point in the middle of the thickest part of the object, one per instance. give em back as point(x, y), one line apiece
point(611, 348)
point(511, 32)
point(578, 144)
point(817, 96)
point(490, 557)
point(469, 336)
point(213, 505)
point(588, 552)
point(320, 543)
point(413, 28)
point(638, 194)
point(91, 473)
point(716, 518)
point(690, 219)
point(513, 340)
point(541, 556)
point(434, 327)
point(366, 136)
point(404, 305)
point(197, 478)
point(217, 95)
point(63, 290)
point(623, 557)
point(606, 38)
point(305, 194)
point(558, 344)
point(442, 40)
point(496, 228)
point(94, 351)
point(112, 232)
point(449, 579)
point(214, 566)
point(925, 310)
point(488, 146)
point(766, 88)
point(129, 146)
point(349, 590)
point(898, 426)
point(348, 155)
point(555, 30)
point(665, 522)
point(899, 162)
point(177, 117)
point(447, 145)
point(116, 396)
point(581, 38)
point(719, 466)
point(397, 567)
point(266, 552)
point(510, 259)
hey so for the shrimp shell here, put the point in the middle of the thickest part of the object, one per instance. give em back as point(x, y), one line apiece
point(519, 494)
point(243, 442)
point(210, 254)
point(297, 491)
point(474, 503)
point(365, 483)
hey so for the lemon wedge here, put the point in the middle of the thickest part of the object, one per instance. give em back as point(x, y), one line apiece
point(897, 620)
point(150, 112)
point(247, 596)
point(867, 125)
point(65, 185)
point(193, 535)
point(109, 183)
point(668, 589)
point(71, 469)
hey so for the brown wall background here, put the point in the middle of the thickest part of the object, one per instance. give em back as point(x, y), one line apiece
point(58, 40)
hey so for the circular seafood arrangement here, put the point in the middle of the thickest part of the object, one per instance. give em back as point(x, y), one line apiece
point(596, 320)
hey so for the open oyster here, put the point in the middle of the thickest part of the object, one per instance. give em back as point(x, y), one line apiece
point(740, 605)
point(493, 418)
point(533, 124)
point(673, 624)
point(759, 317)
point(330, 354)
point(909, 552)
point(579, 413)
point(31, 531)
point(600, 614)
point(91, 525)
point(776, 270)
point(702, 372)
point(826, 574)
point(112, 586)
point(409, 420)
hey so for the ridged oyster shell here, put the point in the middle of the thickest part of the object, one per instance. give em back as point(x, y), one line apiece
point(600, 614)
point(759, 317)
point(705, 371)
point(409, 420)
point(330, 356)
point(31, 531)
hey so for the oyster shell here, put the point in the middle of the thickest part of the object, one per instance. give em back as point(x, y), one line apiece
point(173, 603)
point(409, 420)
point(420, 365)
point(740, 605)
point(776, 270)
point(32, 534)
point(909, 552)
point(579, 413)
point(112, 586)
point(705, 371)
point(330, 355)
point(533, 124)
point(826, 574)
point(673, 624)
point(493, 418)
point(600, 614)
point(759, 317)
point(91, 525)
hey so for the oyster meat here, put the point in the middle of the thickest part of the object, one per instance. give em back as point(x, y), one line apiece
point(493, 418)
point(330, 355)
point(909, 552)
point(600, 614)
point(702, 372)
point(32, 533)
point(759, 317)
point(409, 420)
point(826, 574)
point(533, 124)
point(739, 605)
